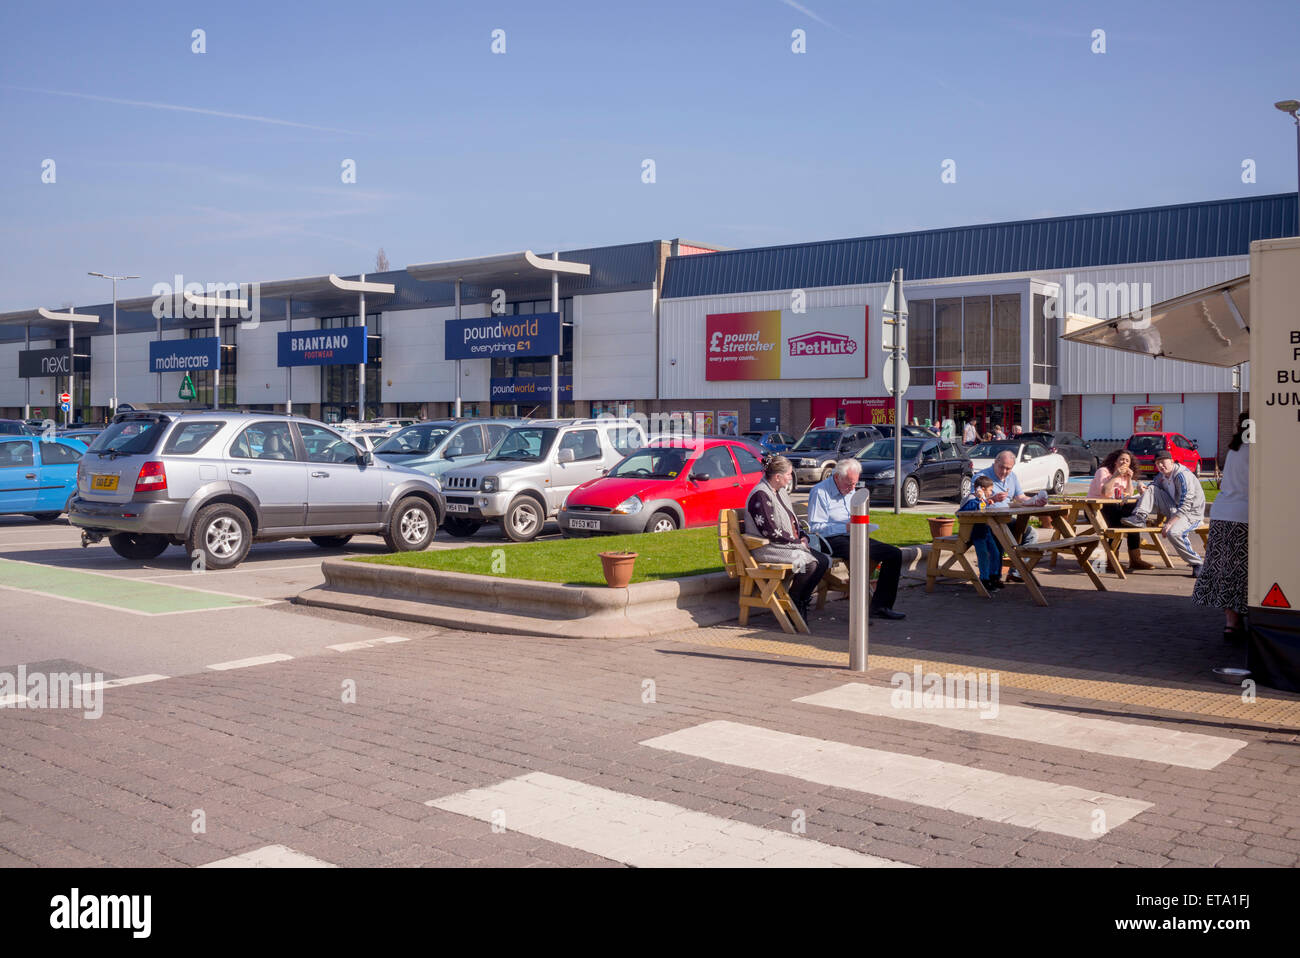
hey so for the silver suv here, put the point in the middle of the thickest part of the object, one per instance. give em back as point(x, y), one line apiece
point(215, 481)
point(529, 472)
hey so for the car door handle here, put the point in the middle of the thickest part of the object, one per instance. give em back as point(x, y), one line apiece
point(241, 472)
point(320, 475)
point(31, 475)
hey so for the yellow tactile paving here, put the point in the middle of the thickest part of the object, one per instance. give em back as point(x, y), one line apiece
point(1270, 706)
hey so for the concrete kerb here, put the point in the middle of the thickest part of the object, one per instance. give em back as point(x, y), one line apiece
point(477, 603)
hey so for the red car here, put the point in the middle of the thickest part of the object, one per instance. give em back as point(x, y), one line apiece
point(670, 484)
point(1143, 446)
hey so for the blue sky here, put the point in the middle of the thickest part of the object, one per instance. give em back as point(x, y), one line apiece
point(460, 152)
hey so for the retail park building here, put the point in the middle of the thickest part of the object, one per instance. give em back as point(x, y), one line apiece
point(779, 337)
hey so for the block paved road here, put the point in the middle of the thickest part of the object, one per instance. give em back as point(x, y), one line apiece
point(470, 749)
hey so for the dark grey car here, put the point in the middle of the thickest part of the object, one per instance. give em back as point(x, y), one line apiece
point(216, 481)
point(814, 455)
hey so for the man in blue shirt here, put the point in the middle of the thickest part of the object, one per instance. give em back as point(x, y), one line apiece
point(828, 516)
point(1008, 492)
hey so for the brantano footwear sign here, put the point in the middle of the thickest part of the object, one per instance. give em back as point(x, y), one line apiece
point(823, 343)
point(345, 346)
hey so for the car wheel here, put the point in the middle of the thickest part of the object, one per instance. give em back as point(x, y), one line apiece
point(221, 534)
point(46, 516)
point(1058, 483)
point(911, 492)
point(661, 521)
point(411, 525)
point(331, 542)
point(524, 519)
point(461, 528)
point(964, 490)
point(131, 545)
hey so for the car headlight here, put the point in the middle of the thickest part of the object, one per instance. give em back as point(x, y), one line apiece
point(887, 474)
point(489, 484)
point(807, 463)
point(629, 506)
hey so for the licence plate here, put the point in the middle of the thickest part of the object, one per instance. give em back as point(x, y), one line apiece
point(103, 482)
point(457, 507)
point(584, 523)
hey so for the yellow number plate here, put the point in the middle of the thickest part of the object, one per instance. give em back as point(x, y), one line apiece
point(103, 482)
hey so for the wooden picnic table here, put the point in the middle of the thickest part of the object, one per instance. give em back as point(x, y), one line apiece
point(1008, 525)
point(1089, 508)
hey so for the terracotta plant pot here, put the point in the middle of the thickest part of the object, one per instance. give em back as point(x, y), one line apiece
point(617, 567)
point(941, 526)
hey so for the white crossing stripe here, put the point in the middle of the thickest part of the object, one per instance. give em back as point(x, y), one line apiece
point(272, 856)
point(1148, 743)
point(245, 663)
point(367, 643)
point(640, 831)
point(9, 701)
point(118, 683)
point(1061, 809)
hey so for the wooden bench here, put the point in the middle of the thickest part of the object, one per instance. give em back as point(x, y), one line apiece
point(1116, 534)
point(958, 566)
point(836, 578)
point(762, 584)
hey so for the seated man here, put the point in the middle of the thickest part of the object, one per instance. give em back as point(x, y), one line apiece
point(828, 516)
point(1007, 492)
point(1177, 495)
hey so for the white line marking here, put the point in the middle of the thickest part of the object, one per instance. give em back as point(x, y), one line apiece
point(641, 831)
point(1061, 809)
point(9, 701)
point(367, 643)
point(252, 568)
point(118, 683)
point(1147, 743)
point(247, 663)
point(272, 856)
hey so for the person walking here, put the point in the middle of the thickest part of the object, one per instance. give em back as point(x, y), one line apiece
point(769, 514)
point(1222, 582)
point(969, 434)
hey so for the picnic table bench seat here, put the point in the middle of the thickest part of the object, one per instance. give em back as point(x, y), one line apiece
point(762, 584)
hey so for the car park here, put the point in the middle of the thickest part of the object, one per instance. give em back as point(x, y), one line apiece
point(38, 476)
point(664, 486)
point(524, 481)
point(814, 455)
point(216, 481)
point(1036, 468)
point(931, 469)
point(1074, 448)
point(886, 430)
point(439, 445)
point(1143, 447)
point(771, 441)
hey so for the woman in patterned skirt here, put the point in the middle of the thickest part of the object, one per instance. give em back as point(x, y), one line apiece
point(1222, 582)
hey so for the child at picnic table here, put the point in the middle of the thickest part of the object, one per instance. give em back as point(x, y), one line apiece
point(987, 550)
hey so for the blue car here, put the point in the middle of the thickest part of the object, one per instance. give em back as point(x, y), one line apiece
point(771, 441)
point(38, 477)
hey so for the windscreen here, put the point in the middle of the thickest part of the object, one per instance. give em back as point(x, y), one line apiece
point(525, 444)
point(820, 441)
point(652, 463)
point(884, 449)
point(130, 437)
point(413, 440)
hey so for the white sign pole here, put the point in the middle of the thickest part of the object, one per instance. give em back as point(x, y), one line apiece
point(859, 577)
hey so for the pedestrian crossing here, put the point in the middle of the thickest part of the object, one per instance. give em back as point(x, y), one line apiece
point(649, 833)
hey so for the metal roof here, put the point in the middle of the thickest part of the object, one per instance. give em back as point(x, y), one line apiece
point(505, 267)
point(1154, 234)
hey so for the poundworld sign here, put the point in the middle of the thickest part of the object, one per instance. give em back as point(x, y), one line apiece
point(323, 347)
point(537, 334)
point(39, 363)
point(184, 355)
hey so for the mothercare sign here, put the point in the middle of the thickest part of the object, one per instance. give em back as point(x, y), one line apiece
point(825, 343)
point(323, 347)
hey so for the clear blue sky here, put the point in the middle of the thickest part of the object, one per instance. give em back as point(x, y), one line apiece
point(460, 152)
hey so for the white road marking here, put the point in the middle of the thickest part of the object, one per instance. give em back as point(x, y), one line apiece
point(246, 663)
point(118, 683)
point(1061, 809)
point(9, 701)
point(641, 831)
point(252, 568)
point(1147, 743)
point(272, 856)
point(367, 643)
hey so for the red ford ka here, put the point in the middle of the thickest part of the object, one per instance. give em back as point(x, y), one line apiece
point(670, 484)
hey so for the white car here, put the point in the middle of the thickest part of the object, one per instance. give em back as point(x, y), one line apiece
point(1036, 468)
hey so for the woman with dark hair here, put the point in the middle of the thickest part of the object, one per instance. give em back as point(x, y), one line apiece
point(769, 514)
point(1117, 479)
point(1222, 582)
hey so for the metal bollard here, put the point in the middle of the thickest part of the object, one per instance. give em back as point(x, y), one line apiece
point(859, 578)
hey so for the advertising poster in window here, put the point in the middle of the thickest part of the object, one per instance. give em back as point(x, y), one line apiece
point(822, 343)
point(1148, 418)
point(729, 422)
point(961, 384)
point(704, 423)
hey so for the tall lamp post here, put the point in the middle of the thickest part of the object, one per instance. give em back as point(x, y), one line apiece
point(1292, 109)
point(114, 279)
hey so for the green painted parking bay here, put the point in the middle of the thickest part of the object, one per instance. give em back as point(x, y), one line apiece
point(128, 595)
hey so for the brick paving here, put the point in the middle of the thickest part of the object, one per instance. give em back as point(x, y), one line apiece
point(272, 755)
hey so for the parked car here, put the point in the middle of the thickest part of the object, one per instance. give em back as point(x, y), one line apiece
point(13, 427)
point(215, 481)
point(524, 480)
point(442, 444)
point(664, 486)
point(886, 430)
point(1076, 450)
point(932, 469)
point(771, 441)
point(1036, 468)
point(1143, 446)
point(814, 455)
point(37, 476)
point(83, 436)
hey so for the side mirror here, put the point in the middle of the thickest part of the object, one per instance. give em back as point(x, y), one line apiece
point(1194, 445)
point(564, 455)
point(699, 477)
point(604, 472)
point(1027, 458)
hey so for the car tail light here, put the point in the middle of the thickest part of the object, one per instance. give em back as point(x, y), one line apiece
point(152, 478)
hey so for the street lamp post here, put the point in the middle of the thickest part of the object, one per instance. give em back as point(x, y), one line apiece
point(114, 279)
point(1292, 109)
